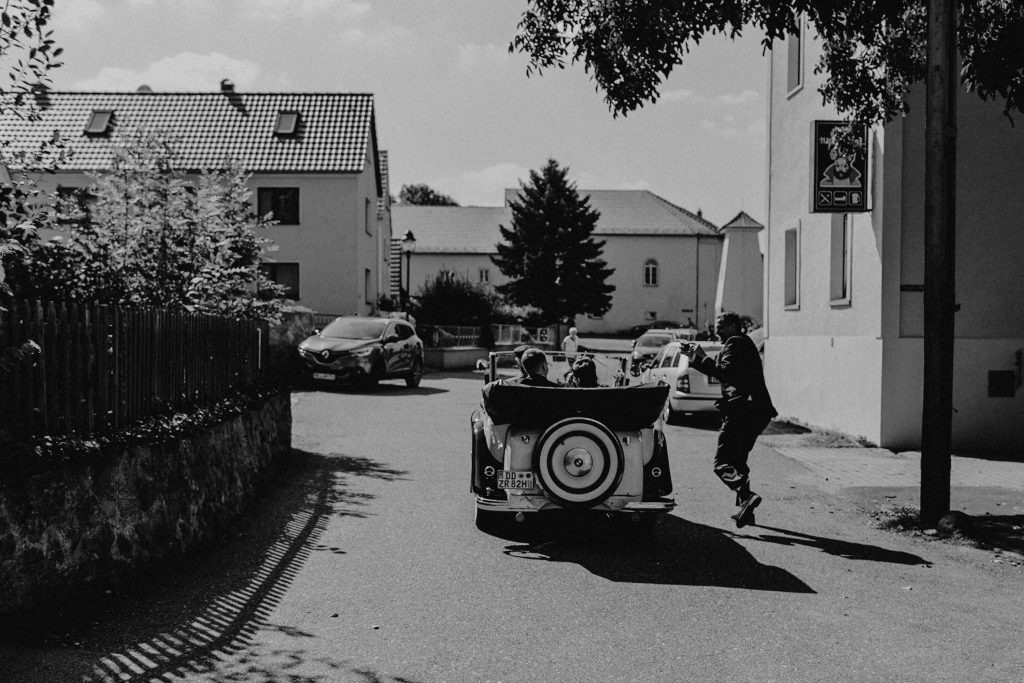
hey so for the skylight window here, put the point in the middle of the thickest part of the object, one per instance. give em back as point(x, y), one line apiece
point(287, 123)
point(99, 122)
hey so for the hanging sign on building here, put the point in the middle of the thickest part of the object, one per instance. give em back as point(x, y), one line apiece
point(839, 183)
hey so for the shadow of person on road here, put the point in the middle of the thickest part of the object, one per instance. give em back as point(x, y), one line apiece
point(675, 552)
point(834, 546)
point(189, 614)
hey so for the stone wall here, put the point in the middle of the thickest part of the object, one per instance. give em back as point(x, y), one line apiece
point(77, 529)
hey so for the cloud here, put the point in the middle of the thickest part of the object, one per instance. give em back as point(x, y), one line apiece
point(725, 99)
point(283, 10)
point(476, 57)
point(186, 71)
point(484, 187)
point(75, 15)
point(728, 127)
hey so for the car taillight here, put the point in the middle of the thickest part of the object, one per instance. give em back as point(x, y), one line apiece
point(683, 383)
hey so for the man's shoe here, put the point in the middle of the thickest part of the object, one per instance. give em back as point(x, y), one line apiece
point(746, 514)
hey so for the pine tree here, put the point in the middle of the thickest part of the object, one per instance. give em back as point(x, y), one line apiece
point(549, 253)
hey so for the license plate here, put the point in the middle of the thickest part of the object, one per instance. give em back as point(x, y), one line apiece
point(515, 480)
point(322, 375)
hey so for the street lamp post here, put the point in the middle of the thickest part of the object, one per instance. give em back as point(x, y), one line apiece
point(408, 246)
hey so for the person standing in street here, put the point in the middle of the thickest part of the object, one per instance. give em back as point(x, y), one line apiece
point(745, 405)
point(570, 345)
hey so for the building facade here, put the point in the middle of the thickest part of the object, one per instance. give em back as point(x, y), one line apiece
point(844, 290)
point(667, 260)
point(313, 159)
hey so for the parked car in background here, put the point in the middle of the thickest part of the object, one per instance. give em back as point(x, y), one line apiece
point(637, 330)
point(646, 346)
point(684, 333)
point(365, 350)
point(691, 391)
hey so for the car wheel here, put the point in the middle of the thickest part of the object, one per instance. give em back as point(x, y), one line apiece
point(670, 416)
point(490, 521)
point(415, 375)
point(578, 462)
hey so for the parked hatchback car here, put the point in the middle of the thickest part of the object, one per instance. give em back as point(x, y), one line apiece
point(637, 330)
point(691, 391)
point(646, 346)
point(364, 350)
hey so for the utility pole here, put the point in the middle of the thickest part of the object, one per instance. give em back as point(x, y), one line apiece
point(939, 259)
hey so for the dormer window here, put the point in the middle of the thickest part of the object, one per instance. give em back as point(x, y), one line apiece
point(287, 123)
point(99, 122)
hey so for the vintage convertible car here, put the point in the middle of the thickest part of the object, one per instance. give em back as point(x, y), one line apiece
point(541, 449)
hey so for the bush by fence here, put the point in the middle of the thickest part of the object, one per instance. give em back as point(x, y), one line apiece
point(102, 368)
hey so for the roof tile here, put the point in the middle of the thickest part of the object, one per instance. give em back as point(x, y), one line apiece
point(333, 135)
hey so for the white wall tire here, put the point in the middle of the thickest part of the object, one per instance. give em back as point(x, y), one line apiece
point(578, 462)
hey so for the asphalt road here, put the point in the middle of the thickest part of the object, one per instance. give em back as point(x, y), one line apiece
point(361, 563)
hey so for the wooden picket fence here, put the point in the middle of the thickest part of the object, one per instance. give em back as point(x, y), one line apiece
point(102, 368)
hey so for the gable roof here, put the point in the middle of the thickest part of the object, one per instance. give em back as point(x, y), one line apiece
point(334, 131)
point(474, 229)
point(638, 212)
point(743, 220)
point(451, 229)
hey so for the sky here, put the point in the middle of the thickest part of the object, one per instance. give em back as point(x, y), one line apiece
point(454, 109)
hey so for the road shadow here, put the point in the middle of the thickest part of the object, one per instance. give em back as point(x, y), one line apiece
point(710, 422)
point(187, 615)
point(385, 388)
point(676, 552)
point(1003, 532)
point(834, 546)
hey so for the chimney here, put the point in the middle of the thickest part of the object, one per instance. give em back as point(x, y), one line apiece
point(226, 86)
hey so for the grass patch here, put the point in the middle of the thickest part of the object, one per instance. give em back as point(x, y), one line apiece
point(897, 518)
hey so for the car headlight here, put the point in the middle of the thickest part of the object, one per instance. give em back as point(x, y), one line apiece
point(363, 353)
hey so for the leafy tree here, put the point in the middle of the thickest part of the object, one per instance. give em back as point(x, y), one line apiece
point(872, 52)
point(549, 254)
point(454, 300)
point(424, 195)
point(27, 53)
point(159, 236)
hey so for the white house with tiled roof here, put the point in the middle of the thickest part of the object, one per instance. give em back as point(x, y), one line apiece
point(313, 157)
point(666, 259)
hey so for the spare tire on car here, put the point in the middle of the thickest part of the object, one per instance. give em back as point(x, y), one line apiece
point(578, 462)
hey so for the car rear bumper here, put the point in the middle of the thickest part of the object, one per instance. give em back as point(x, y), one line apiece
point(689, 403)
point(535, 503)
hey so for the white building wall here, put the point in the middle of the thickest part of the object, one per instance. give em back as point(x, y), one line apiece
point(740, 286)
point(687, 277)
point(872, 386)
point(823, 360)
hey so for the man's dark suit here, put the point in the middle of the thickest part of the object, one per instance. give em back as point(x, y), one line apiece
point(746, 407)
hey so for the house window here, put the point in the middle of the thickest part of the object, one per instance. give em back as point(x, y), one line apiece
point(650, 273)
point(281, 202)
point(286, 274)
point(485, 275)
point(287, 123)
point(792, 265)
point(841, 259)
point(445, 275)
point(795, 53)
point(366, 217)
point(367, 286)
point(74, 205)
point(99, 122)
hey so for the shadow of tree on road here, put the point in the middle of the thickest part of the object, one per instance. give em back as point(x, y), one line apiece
point(679, 552)
point(190, 615)
point(837, 547)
